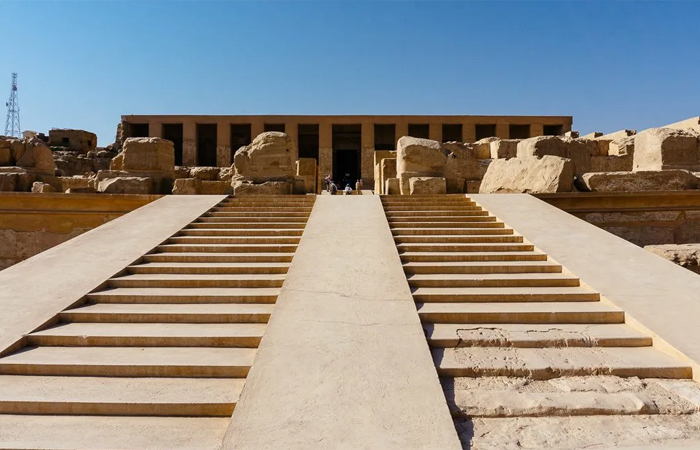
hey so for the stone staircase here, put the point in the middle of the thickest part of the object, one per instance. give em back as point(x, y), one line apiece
point(157, 357)
point(513, 335)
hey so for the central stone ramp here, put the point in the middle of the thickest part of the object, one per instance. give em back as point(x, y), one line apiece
point(157, 357)
point(344, 363)
point(524, 348)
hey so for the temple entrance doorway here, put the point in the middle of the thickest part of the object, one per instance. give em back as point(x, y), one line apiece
point(347, 146)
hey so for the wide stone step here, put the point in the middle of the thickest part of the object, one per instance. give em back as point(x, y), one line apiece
point(451, 222)
point(478, 230)
point(520, 313)
point(280, 232)
point(268, 221)
point(150, 335)
point(87, 396)
point(219, 225)
point(432, 214)
point(237, 240)
point(271, 214)
point(505, 294)
point(276, 204)
point(469, 257)
point(533, 335)
point(489, 403)
point(452, 239)
point(160, 313)
point(492, 280)
point(467, 206)
point(428, 205)
point(205, 257)
point(189, 295)
point(48, 432)
point(253, 208)
point(209, 268)
point(547, 363)
point(482, 267)
point(488, 247)
point(198, 281)
point(216, 362)
point(227, 248)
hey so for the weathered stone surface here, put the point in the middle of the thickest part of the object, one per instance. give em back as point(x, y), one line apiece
point(117, 162)
point(78, 140)
point(186, 186)
point(82, 190)
point(482, 147)
point(392, 186)
point(39, 188)
point(472, 186)
point(5, 154)
point(126, 185)
point(270, 157)
point(622, 146)
point(181, 172)
point(418, 158)
point(388, 170)
point(459, 150)
point(661, 180)
point(579, 151)
point(306, 171)
point(8, 182)
point(622, 163)
point(215, 187)
point(75, 182)
point(70, 163)
point(529, 175)
point(427, 185)
point(685, 255)
point(226, 173)
point(147, 154)
point(458, 170)
point(666, 148)
point(37, 157)
point(246, 188)
point(205, 173)
point(503, 148)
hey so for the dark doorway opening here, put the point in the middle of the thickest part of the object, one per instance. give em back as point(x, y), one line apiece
point(173, 132)
point(519, 131)
point(452, 132)
point(419, 130)
point(485, 130)
point(553, 130)
point(240, 136)
point(347, 145)
point(274, 127)
point(138, 130)
point(385, 136)
point(206, 144)
point(308, 141)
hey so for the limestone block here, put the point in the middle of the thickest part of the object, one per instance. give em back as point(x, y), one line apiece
point(8, 182)
point(306, 172)
point(623, 146)
point(391, 186)
point(215, 187)
point(181, 172)
point(5, 154)
point(503, 148)
point(418, 158)
point(270, 157)
point(18, 148)
point(242, 188)
point(482, 147)
point(37, 157)
point(85, 190)
point(666, 148)
point(75, 182)
point(226, 173)
point(126, 185)
point(298, 186)
point(459, 149)
point(388, 169)
point(306, 166)
point(148, 154)
point(685, 255)
point(205, 173)
point(117, 163)
point(530, 175)
point(472, 186)
point(23, 178)
point(427, 185)
point(622, 163)
point(662, 180)
point(39, 188)
point(579, 151)
point(186, 186)
point(458, 171)
point(572, 134)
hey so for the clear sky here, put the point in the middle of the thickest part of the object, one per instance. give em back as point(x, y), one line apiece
point(611, 65)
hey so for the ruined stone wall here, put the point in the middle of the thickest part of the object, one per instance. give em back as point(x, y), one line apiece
point(643, 218)
point(32, 223)
point(78, 140)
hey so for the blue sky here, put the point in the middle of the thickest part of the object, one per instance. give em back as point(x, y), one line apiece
point(612, 65)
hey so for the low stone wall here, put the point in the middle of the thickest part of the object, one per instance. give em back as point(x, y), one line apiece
point(31, 223)
point(643, 218)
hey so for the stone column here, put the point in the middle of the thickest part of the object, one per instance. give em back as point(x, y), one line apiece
point(435, 131)
point(536, 129)
point(401, 130)
point(155, 129)
point(292, 130)
point(189, 143)
point(325, 151)
point(223, 144)
point(468, 132)
point(367, 156)
point(256, 128)
point(502, 130)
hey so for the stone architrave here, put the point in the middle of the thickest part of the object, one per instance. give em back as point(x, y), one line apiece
point(427, 185)
point(659, 180)
point(529, 175)
point(666, 148)
point(417, 157)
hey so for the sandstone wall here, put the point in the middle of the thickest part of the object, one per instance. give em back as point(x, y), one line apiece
point(31, 223)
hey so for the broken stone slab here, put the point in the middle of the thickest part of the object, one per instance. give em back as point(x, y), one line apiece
point(146, 154)
point(306, 172)
point(482, 147)
point(270, 157)
point(481, 403)
point(392, 186)
point(39, 188)
point(666, 148)
point(126, 185)
point(459, 169)
point(37, 157)
point(205, 173)
point(226, 173)
point(660, 180)
point(685, 255)
point(622, 163)
point(417, 157)
point(75, 183)
point(459, 150)
point(242, 188)
point(529, 175)
point(181, 172)
point(579, 151)
point(504, 148)
point(688, 390)
point(621, 147)
point(215, 187)
point(388, 170)
point(82, 190)
point(186, 186)
point(427, 185)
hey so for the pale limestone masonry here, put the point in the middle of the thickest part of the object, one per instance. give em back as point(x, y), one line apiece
point(79, 140)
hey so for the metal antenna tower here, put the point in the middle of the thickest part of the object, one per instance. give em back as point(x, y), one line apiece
point(12, 123)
